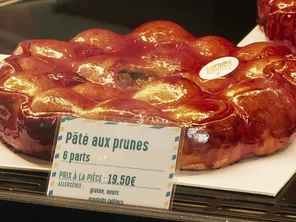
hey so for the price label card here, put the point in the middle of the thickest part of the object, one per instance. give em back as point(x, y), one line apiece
point(115, 162)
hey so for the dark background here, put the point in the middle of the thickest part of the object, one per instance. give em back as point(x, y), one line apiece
point(231, 19)
point(63, 19)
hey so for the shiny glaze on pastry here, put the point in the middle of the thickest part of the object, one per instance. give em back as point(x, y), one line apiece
point(152, 75)
point(277, 18)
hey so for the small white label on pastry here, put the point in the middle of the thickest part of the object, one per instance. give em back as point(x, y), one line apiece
point(218, 68)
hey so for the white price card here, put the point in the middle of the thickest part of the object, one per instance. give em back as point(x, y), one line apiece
point(115, 162)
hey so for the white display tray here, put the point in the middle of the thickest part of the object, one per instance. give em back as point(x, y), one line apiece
point(11, 160)
point(265, 175)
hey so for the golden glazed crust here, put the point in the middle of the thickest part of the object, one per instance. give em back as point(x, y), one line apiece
point(278, 20)
point(152, 75)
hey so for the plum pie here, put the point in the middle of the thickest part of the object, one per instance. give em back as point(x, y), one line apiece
point(233, 102)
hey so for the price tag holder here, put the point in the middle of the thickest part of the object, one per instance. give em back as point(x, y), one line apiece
point(115, 162)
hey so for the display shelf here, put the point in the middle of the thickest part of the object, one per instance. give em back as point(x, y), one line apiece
point(171, 215)
point(259, 207)
point(189, 204)
point(31, 182)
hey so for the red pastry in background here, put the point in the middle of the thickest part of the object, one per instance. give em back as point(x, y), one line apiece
point(235, 102)
point(277, 18)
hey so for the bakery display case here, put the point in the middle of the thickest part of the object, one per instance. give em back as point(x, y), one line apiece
point(219, 73)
